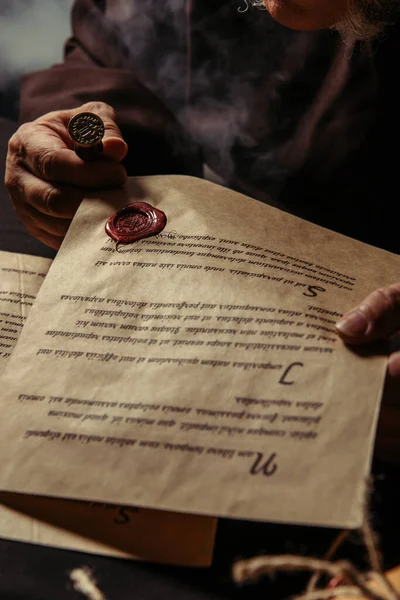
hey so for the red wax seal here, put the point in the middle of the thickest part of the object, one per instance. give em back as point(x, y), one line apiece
point(134, 222)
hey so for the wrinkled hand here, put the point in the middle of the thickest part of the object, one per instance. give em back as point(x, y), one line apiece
point(378, 318)
point(46, 180)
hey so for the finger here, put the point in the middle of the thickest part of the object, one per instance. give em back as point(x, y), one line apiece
point(114, 146)
point(54, 200)
point(387, 444)
point(61, 165)
point(36, 222)
point(393, 369)
point(377, 317)
point(48, 239)
point(43, 148)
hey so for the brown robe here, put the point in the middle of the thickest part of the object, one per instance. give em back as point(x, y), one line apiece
point(303, 120)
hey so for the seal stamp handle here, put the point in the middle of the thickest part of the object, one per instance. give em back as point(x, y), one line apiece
point(86, 130)
point(135, 221)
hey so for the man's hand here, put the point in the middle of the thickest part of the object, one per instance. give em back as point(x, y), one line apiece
point(378, 318)
point(47, 180)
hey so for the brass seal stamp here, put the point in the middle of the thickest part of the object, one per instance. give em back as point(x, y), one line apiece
point(87, 131)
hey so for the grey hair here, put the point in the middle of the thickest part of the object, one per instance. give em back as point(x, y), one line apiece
point(364, 20)
point(367, 19)
point(256, 3)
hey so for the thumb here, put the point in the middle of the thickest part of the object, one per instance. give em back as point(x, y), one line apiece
point(377, 317)
point(114, 146)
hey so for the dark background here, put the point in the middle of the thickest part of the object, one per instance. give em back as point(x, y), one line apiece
point(32, 33)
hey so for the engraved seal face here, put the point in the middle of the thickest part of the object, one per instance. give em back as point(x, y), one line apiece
point(134, 222)
point(86, 129)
